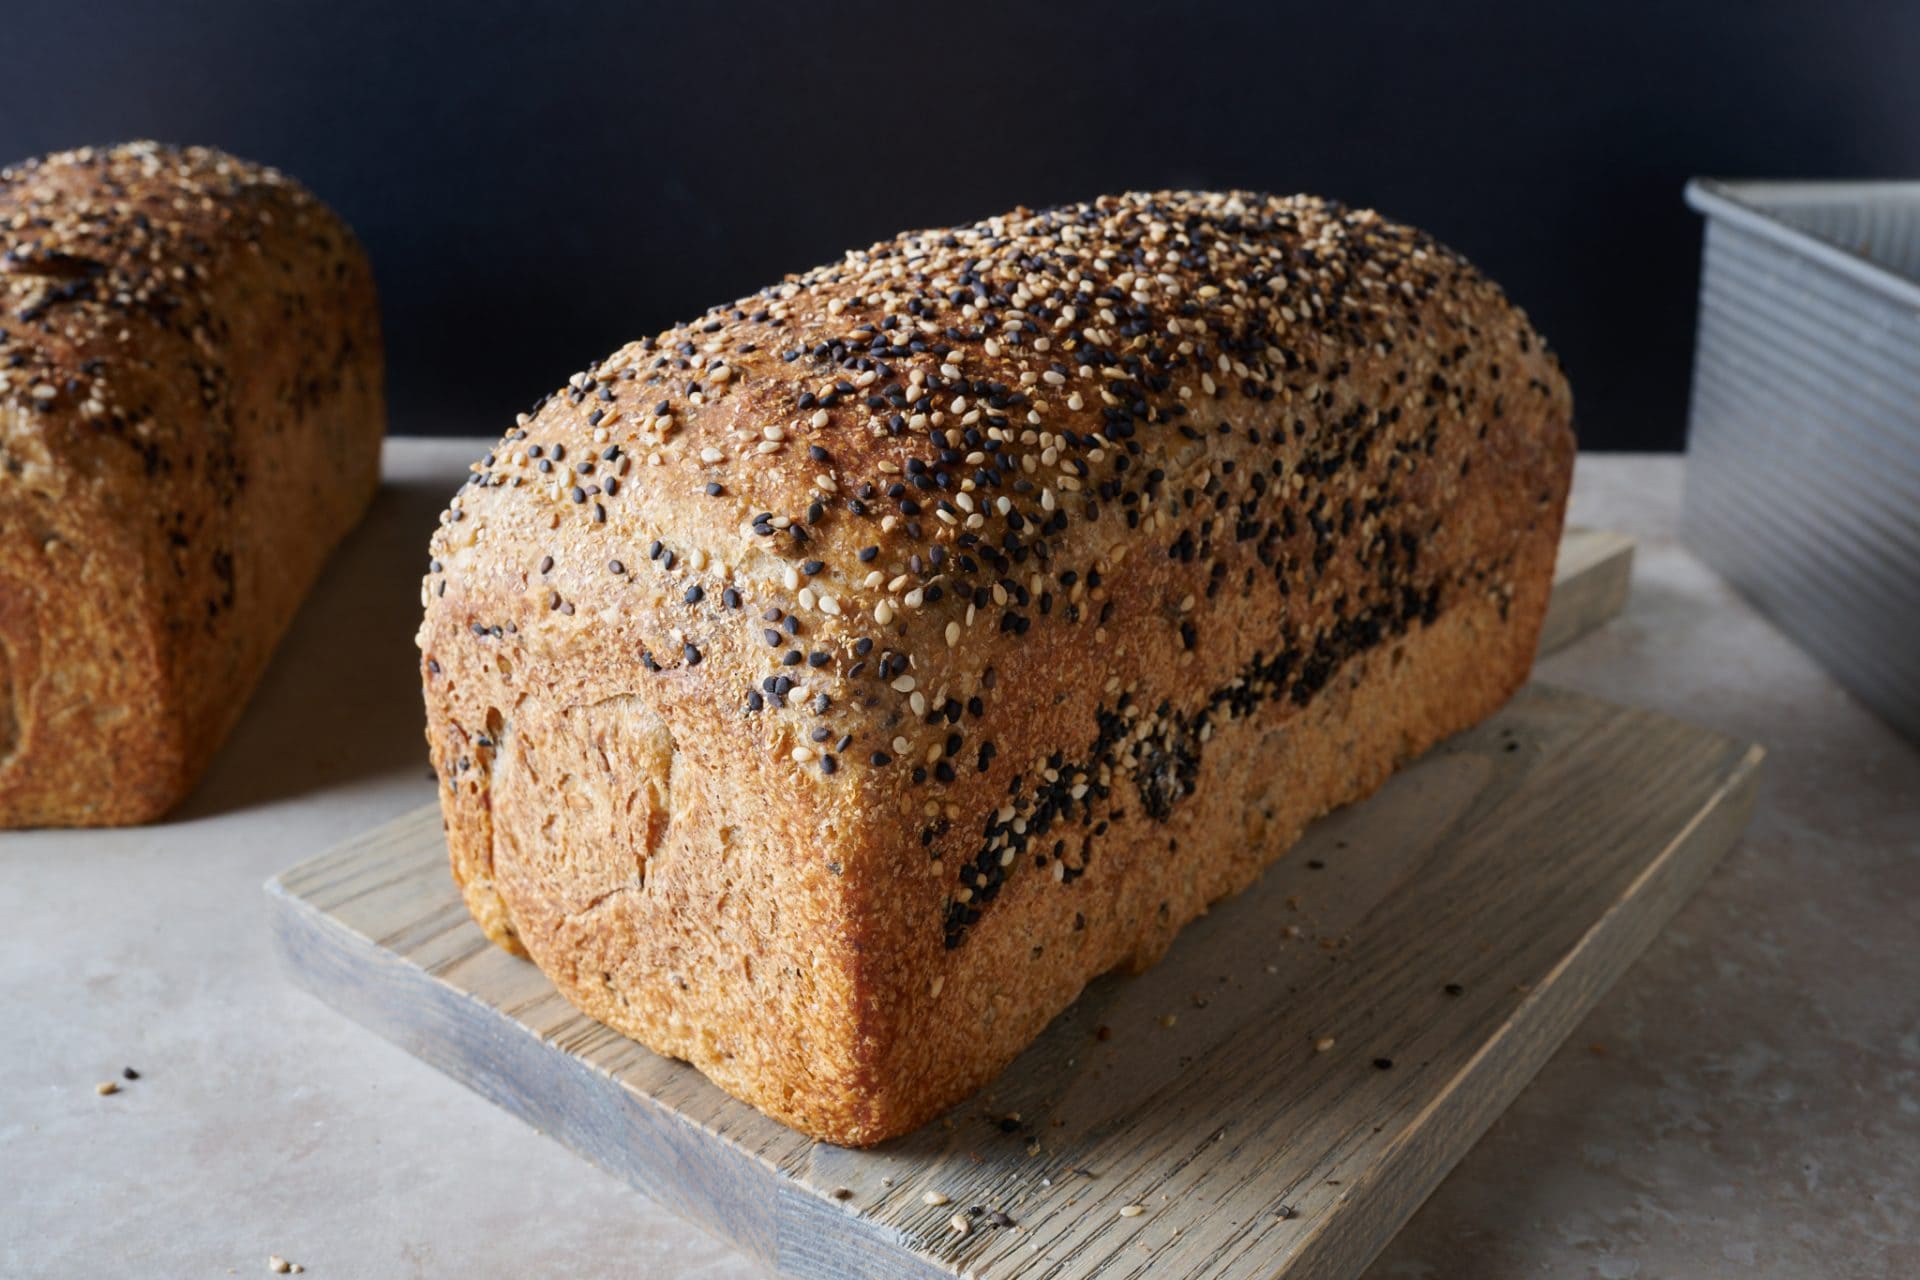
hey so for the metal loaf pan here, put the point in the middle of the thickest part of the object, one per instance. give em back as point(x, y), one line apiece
point(1803, 437)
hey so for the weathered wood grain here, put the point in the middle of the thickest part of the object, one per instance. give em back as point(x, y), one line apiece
point(1526, 862)
point(1590, 578)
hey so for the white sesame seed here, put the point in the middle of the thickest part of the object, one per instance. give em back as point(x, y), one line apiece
point(903, 684)
point(821, 418)
point(711, 454)
point(883, 613)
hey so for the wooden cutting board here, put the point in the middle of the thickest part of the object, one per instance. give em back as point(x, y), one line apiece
point(1275, 1098)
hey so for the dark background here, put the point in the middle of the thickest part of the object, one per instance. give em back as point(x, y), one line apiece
point(539, 184)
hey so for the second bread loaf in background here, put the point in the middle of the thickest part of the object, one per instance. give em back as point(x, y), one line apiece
point(190, 420)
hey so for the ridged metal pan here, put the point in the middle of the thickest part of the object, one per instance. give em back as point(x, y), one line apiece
point(1803, 436)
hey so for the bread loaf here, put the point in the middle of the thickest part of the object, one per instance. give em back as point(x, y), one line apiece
point(190, 418)
point(825, 690)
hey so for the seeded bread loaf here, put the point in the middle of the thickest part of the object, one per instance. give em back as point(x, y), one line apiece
point(825, 690)
point(190, 419)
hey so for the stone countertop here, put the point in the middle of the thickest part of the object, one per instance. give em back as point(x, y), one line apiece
point(1746, 1100)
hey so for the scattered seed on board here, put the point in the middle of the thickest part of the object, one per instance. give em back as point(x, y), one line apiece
point(958, 1224)
point(1132, 1210)
point(1323, 1044)
point(933, 1198)
point(106, 1087)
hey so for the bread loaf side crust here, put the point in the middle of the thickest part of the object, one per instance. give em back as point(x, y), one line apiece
point(826, 690)
point(190, 415)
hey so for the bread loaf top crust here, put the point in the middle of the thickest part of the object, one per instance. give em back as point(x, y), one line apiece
point(828, 510)
point(110, 274)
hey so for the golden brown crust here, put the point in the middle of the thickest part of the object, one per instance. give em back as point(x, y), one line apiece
point(190, 416)
point(825, 690)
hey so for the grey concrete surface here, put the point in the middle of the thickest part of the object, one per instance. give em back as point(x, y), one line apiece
point(1746, 1101)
